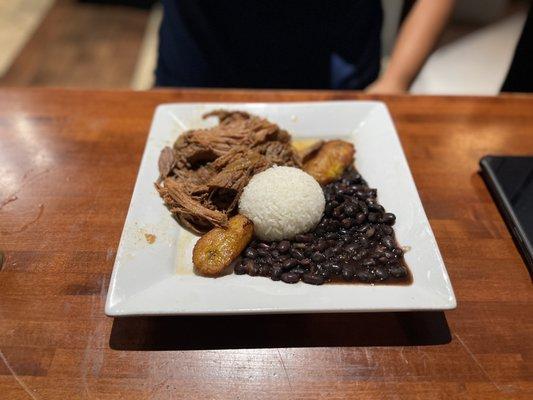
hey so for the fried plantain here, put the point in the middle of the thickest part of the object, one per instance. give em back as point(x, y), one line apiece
point(330, 161)
point(306, 148)
point(219, 247)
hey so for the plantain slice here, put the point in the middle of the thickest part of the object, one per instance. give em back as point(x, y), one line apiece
point(306, 148)
point(330, 161)
point(219, 247)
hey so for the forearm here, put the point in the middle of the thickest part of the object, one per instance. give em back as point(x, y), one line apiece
point(416, 39)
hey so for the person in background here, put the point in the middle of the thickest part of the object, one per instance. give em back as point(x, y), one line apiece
point(312, 44)
point(519, 77)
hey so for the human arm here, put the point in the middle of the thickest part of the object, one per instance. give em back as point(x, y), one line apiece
point(416, 39)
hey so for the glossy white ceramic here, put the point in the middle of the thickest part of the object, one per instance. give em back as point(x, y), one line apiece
point(158, 279)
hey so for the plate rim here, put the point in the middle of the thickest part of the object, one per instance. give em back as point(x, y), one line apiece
point(116, 309)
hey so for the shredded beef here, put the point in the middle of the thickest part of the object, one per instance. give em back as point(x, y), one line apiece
point(166, 162)
point(203, 175)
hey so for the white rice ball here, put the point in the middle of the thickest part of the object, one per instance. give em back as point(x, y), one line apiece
point(282, 202)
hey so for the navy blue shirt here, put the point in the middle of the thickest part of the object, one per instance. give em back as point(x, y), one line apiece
point(310, 44)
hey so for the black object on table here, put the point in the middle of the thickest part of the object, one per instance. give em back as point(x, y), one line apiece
point(510, 181)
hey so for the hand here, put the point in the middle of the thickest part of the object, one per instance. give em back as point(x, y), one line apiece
point(382, 86)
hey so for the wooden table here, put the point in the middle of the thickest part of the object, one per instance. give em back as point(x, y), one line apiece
point(68, 162)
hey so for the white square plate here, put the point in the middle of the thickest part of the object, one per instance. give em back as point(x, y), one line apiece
point(157, 278)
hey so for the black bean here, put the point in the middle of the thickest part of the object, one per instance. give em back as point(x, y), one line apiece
point(337, 249)
point(387, 230)
point(361, 194)
point(313, 279)
point(284, 246)
point(289, 263)
point(298, 270)
point(370, 232)
point(318, 257)
point(340, 234)
point(325, 273)
point(275, 273)
point(321, 245)
point(331, 236)
point(240, 269)
point(373, 217)
point(389, 242)
point(297, 254)
point(362, 228)
point(304, 238)
point(342, 257)
point(363, 276)
point(347, 273)
point(389, 255)
point(299, 246)
point(375, 254)
point(362, 253)
point(335, 269)
point(351, 248)
point(389, 218)
point(252, 268)
point(321, 228)
point(381, 273)
point(289, 277)
point(248, 263)
point(368, 263)
point(267, 260)
point(349, 210)
point(328, 210)
point(331, 242)
point(372, 205)
point(355, 176)
point(338, 213)
point(398, 251)
point(250, 253)
point(262, 251)
point(328, 253)
point(382, 260)
point(264, 270)
point(306, 262)
point(263, 245)
point(363, 242)
point(333, 226)
point(398, 271)
point(347, 223)
point(360, 218)
point(344, 191)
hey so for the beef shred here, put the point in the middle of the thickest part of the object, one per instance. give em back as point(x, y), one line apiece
point(203, 175)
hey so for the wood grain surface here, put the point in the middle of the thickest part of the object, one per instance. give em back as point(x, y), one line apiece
point(68, 162)
point(81, 44)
